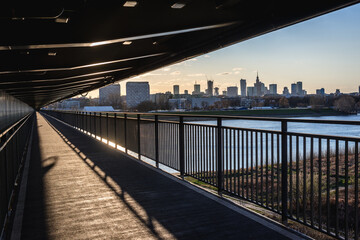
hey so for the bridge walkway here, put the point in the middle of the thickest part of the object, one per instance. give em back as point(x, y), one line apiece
point(80, 188)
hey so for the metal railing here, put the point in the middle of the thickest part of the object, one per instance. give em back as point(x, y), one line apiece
point(13, 145)
point(309, 178)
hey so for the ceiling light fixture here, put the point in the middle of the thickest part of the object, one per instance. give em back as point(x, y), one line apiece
point(52, 54)
point(99, 43)
point(130, 4)
point(62, 20)
point(127, 42)
point(178, 5)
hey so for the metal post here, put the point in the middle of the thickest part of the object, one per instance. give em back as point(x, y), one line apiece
point(139, 135)
point(115, 130)
point(125, 142)
point(100, 127)
point(284, 172)
point(107, 128)
point(95, 124)
point(181, 146)
point(157, 140)
point(219, 156)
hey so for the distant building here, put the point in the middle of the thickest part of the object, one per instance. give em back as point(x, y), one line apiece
point(204, 102)
point(273, 89)
point(160, 98)
point(186, 92)
point(286, 91)
point(224, 93)
point(108, 92)
point(293, 89)
point(359, 89)
point(337, 92)
point(250, 91)
point(210, 86)
point(258, 86)
point(299, 89)
point(243, 87)
point(178, 103)
point(196, 89)
point(176, 89)
point(137, 92)
point(216, 91)
point(320, 91)
point(232, 91)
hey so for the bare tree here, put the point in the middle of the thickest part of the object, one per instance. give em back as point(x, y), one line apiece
point(345, 104)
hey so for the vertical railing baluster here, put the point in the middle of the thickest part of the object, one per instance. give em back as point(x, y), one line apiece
point(181, 146)
point(346, 189)
point(219, 156)
point(328, 186)
point(356, 190)
point(107, 128)
point(320, 185)
point(125, 133)
point(138, 136)
point(115, 136)
point(157, 140)
point(284, 175)
point(337, 188)
point(304, 180)
point(312, 181)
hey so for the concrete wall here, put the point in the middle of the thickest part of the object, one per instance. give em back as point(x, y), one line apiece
point(11, 110)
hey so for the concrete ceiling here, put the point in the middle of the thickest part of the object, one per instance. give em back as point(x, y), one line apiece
point(49, 52)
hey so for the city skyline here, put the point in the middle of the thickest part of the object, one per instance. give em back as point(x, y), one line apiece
point(322, 53)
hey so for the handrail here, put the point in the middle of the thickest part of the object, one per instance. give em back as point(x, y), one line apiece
point(13, 134)
point(12, 126)
point(273, 119)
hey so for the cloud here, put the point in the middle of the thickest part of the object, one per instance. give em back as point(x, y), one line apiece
point(237, 69)
point(223, 73)
point(192, 60)
point(196, 75)
point(175, 73)
point(152, 74)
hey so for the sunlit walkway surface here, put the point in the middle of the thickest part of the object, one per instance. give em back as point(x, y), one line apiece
point(80, 188)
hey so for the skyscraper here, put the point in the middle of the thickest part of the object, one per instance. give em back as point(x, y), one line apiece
point(137, 92)
point(107, 92)
point(186, 92)
point(257, 86)
point(250, 91)
point(210, 86)
point(293, 89)
point(243, 87)
point(273, 89)
point(216, 91)
point(196, 89)
point(232, 91)
point(299, 89)
point(176, 89)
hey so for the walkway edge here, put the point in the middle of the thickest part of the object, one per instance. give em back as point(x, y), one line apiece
point(265, 221)
point(20, 206)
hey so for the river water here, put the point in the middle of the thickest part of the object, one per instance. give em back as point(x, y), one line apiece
point(313, 128)
point(298, 148)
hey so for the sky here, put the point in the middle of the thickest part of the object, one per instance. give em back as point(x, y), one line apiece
point(323, 52)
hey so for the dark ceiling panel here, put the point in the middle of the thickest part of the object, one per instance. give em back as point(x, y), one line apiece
point(49, 52)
